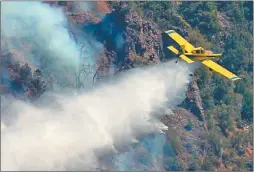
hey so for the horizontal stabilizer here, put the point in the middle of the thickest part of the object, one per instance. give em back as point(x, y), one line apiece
point(188, 60)
point(173, 49)
point(217, 68)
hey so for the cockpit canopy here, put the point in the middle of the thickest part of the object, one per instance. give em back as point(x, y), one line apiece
point(198, 50)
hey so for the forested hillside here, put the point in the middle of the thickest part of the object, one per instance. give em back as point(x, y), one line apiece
point(225, 27)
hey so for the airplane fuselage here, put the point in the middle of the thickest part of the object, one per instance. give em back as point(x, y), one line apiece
point(199, 53)
point(201, 57)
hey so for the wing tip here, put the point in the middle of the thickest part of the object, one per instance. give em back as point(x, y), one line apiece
point(169, 31)
point(235, 78)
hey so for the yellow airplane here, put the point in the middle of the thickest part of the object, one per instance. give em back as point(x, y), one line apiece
point(190, 54)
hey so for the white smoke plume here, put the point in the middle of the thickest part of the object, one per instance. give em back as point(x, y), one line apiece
point(40, 32)
point(67, 134)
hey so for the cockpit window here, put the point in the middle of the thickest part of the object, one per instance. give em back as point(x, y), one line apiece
point(200, 51)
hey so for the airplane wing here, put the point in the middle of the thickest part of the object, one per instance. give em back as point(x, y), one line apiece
point(180, 40)
point(211, 64)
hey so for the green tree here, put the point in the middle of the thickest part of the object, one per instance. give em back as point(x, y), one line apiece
point(248, 10)
point(201, 15)
point(247, 108)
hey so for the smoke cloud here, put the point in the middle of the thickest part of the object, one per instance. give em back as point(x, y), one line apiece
point(146, 155)
point(68, 132)
point(39, 35)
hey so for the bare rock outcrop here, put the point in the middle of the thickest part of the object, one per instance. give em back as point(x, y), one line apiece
point(143, 39)
point(193, 101)
point(133, 39)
